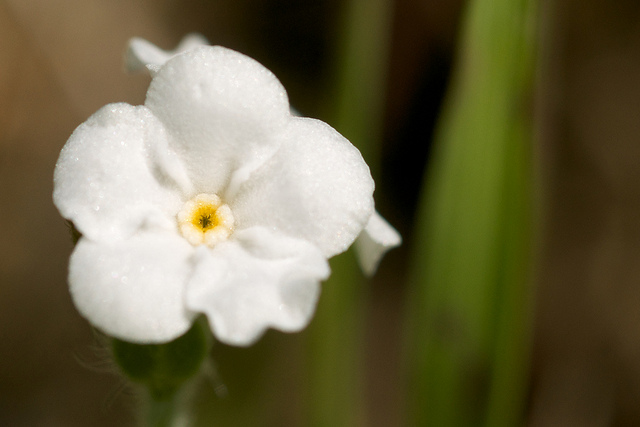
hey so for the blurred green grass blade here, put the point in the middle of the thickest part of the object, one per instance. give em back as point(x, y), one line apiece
point(363, 65)
point(335, 350)
point(469, 307)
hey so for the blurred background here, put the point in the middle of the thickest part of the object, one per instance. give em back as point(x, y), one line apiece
point(62, 60)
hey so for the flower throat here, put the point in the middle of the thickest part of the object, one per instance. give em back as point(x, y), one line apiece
point(205, 220)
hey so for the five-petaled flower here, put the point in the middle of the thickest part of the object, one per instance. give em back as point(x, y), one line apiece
point(210, 198)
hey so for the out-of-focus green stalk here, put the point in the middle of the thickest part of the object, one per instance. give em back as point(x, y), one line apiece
point(361, 83)
point(161, 413)
point(469, 327)
point(335, 349)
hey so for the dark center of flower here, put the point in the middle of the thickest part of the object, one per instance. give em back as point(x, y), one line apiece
point(206, 221)
point(205, 217)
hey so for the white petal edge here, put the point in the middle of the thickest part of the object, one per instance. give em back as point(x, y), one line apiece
point(376, 239)
point(220, 107)
point(316, 187)
point(133, 290)
point(142, 54)
point(106, 180)
point(256, 281)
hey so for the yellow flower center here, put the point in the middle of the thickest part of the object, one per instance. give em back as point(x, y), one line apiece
point(205, 220)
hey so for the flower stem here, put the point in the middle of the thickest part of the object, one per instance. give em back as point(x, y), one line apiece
point(162, 412)
point(166, 372)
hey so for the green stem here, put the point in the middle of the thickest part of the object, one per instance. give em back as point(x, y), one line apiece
point(166, 372)
point(362, 75)
point(175, 409)
point(335, 347)
point(335, 350)
point(162, 412)
point(471, 297)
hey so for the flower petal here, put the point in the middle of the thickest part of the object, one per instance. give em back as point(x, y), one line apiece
point(109, 183)
point(222, 109)
point(133, 289)
point(375, 240)
point(143, 54)
point(256, 281)
point(316, 187)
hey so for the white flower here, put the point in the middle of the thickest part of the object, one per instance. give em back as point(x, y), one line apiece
point(142, 54)
point(210, 198)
